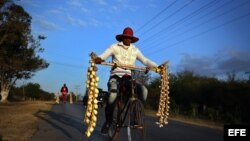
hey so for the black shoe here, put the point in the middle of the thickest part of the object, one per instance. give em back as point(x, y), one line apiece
point(105, 128)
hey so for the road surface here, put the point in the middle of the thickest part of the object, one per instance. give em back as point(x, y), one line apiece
point(65, 123)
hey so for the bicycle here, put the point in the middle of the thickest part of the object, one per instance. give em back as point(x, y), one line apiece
point(129, 111)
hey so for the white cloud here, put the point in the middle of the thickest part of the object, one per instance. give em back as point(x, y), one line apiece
point(81, 23)
point(56, 11)
point(70, 19)
point(101, 2)
point(76, 3)
point(85, 10)
point(46, 25)
point(75, 21)
point(226, 61)
point(95, 22)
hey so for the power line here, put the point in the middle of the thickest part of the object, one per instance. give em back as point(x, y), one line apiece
point(201, 33)
point(156, 16)
point(210, 12)
point(68, 65)
point(211, 19)
point(181, 20)
point(178, 10)
point(202, 16)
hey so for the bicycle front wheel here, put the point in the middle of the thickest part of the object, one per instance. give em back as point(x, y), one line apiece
point(136, 129)
point(114, 129)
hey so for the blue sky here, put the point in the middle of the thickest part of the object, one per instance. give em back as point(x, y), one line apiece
point(208, 37)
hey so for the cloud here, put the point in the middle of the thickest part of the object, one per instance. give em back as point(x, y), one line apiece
point(96, 12)
point(235, 60)
point(56, 11)
point(76, 3)
point(196, 64)
point(46, 25)
point(81, 23)
point(94, 22)
point(101, 2)
point(122, 5)
point(30, 3)
point(226, 61)
point(70, 19)
point(84, 10)
point(75, 21)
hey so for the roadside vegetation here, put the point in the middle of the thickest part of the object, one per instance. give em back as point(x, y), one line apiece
point(207, 98)
point(31, 91)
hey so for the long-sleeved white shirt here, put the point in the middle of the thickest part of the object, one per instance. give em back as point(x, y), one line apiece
point(125, 55)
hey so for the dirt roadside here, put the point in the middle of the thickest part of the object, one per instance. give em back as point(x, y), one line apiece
point(18, 121)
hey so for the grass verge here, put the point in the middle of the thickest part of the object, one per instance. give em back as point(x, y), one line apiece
point(17, 120)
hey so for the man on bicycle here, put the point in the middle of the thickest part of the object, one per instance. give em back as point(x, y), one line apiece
point(64, 91)
point(123, 53)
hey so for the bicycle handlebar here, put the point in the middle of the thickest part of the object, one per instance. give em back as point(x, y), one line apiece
point(93, 56)
point(123, 66)
point(133, 67)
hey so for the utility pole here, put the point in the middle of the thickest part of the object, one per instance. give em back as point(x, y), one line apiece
point(77, 88)
point(23, 92)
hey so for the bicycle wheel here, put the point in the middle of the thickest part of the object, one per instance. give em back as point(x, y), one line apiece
point(136, 129)
point(113, 130)
point(117, 123)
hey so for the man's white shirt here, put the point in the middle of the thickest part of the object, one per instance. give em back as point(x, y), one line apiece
point(125, 55)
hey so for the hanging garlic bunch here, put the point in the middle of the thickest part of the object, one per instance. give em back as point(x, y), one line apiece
point(92, 107)
point(163, 109)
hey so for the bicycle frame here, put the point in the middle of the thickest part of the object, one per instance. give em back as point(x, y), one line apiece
point(132, 97)
point(126, 107)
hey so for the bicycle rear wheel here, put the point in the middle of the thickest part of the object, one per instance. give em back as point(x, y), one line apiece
point(136, 129)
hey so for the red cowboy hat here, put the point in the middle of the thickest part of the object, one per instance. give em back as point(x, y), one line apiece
point(127, 33)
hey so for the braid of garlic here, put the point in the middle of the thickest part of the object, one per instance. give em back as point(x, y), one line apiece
point(163, 108)
point(90, 117)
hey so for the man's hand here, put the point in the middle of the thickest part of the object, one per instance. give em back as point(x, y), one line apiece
point(114, 67)
point(159, 69)
point(98, 60)
point(156, 69)
point(148, 68)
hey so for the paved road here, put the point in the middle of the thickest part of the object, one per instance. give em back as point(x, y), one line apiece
point(65, 123)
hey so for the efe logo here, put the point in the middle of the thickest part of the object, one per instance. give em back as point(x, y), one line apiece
point(237, 132)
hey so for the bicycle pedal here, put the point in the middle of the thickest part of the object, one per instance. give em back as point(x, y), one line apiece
point(137, 126)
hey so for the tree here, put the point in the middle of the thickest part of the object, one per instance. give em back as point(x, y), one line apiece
point(19, 50)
